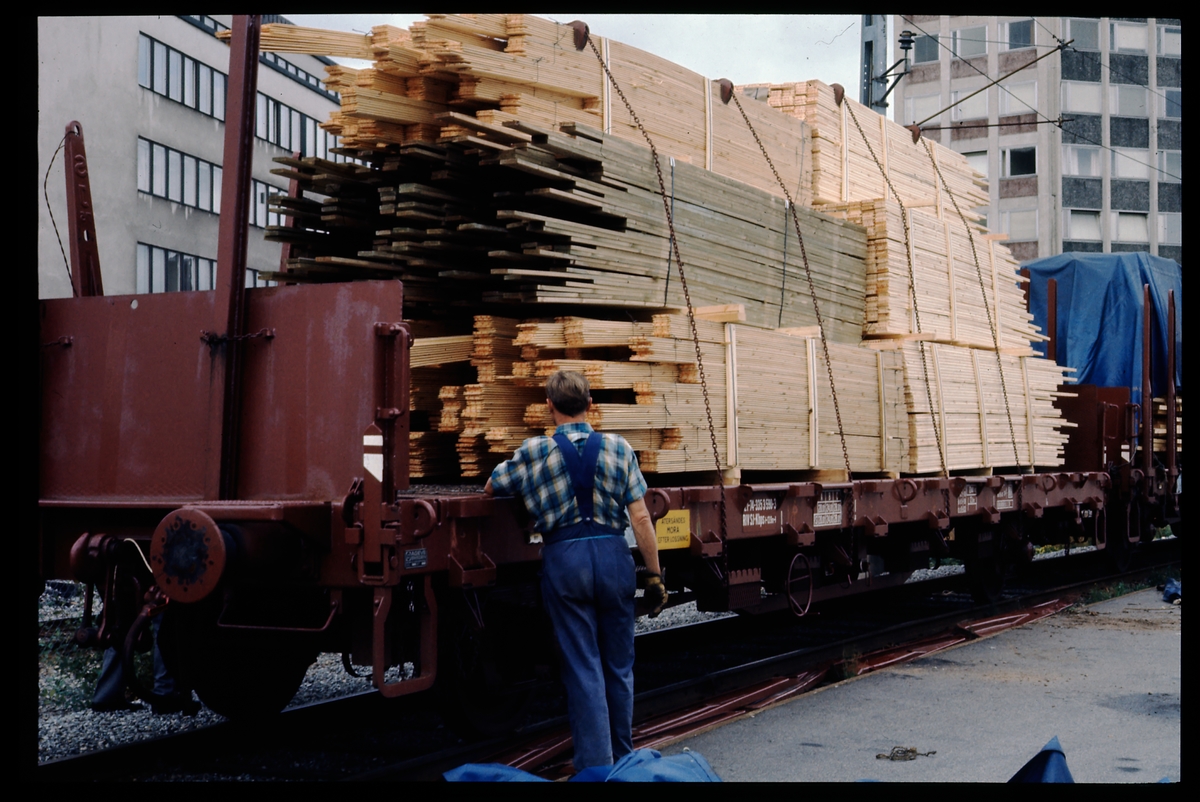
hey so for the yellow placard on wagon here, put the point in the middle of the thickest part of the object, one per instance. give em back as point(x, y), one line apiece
point(674, 529)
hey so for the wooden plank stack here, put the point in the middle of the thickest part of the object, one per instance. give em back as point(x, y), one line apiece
point(950, 301)
point(843, 167)
point(499, 178)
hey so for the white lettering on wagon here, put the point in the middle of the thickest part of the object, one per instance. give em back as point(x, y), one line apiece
point(1004, 497)
point(829, 509)
point(760, 512)
point(968, 500)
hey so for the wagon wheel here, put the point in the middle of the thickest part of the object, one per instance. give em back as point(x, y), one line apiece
point(800, 586)
point(485, 675)
point(238, 674)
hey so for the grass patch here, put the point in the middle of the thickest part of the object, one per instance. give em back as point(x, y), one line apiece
point(67, 673)
point(1117, 589)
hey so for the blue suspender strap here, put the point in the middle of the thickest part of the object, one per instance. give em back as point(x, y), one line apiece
point(581, 469)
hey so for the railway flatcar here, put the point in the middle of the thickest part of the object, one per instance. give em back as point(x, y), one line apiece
point(237, 462)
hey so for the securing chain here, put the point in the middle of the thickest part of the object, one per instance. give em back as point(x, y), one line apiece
point(912, 286)
point(982, 291)
point(712, 432)
point(812, 291)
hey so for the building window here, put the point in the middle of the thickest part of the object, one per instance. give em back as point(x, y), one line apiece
point(1170, 166)
point(1081, 225)
point(167, 72)
point(1081, 96)
point(1127, 37)
point(968, 106)
point(1170, 104)
point(1127, 101)
point(969, 42)
point(918, 109)
point(1020, 34)
point(1019, 98)
point(1084, 32)
point(1022, 225)
point(1130, 227)
point(168, 173)
point(925, 49)
point(978, 160)
point(1081, 160)
point(293, 130)
point(165, 270)
point(1018, 161)
point(260, 215)
point(1170, 228)
point(1130, 163)
point(1169, 41)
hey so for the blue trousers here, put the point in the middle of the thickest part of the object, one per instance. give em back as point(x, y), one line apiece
point(588, 586)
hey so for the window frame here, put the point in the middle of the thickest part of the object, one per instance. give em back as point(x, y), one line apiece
point(1007, 217)
point(1006, 154)
point(1072, 34)
point(1068, 88)
point(957, 35)
point(1068, 229)
point(957, 112)
point(1008, 98)
point(1115, 228)
point(923, 42)
point(1159, 35)
point(1130, 164)
point(1166, 173)
point(1114, 26)
point(1008, 26)
point(1115, 106)
point(1070, 160)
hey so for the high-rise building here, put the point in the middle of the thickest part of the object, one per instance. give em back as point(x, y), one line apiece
point(149, 94)
point(1081, 149)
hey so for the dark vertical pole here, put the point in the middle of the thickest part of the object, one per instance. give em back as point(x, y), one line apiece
point(81, 223)
point(1052, 319)
point(1172, 443)
point(231, 255)
point(1147, 395)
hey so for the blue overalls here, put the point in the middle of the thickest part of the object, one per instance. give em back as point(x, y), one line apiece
point(588, 586)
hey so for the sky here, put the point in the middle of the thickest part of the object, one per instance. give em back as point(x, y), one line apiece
point(745, 48)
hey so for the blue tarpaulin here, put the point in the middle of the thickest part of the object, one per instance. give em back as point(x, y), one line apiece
point(1099, 331)
point(642, 765)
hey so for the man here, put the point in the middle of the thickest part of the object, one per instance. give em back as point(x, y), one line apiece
point(578, 487)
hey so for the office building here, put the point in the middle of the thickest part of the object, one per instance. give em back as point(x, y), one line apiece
point(149, 93)
point(1107, 178)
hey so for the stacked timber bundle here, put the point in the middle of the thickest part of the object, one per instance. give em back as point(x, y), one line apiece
point(950, 299)
point(973, 409)
point(496, 177)
point(843, 167)
point(502, 216)
point(518, 67)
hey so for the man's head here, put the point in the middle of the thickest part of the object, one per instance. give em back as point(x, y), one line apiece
point(569, 392)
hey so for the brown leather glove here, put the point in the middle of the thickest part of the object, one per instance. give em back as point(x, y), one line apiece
point(654, 599)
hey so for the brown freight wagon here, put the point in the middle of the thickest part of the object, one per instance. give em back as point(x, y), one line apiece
point(238, 461)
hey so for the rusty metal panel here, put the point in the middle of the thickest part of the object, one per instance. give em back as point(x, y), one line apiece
point(309, 392)
point(125, 403)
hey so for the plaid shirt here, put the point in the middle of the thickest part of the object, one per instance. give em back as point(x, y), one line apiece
point(538, 474)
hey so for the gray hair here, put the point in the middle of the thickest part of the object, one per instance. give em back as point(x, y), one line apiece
point(569, 392)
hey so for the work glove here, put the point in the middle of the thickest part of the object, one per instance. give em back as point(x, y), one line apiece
point(654, 598)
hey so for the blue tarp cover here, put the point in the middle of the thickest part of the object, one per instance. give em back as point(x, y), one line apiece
point(1100, 316)
point(642, 765)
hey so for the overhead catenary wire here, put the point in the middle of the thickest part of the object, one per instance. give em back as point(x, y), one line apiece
point(1038, 113)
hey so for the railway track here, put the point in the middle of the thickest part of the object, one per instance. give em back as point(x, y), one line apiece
point(689, 678)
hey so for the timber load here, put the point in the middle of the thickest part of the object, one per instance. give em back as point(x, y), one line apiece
point(497, 176)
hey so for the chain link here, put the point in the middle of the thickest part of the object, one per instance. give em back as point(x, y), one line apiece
point(983, 291)
point(912, 286)
point(712, 432)
point(812, 291)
